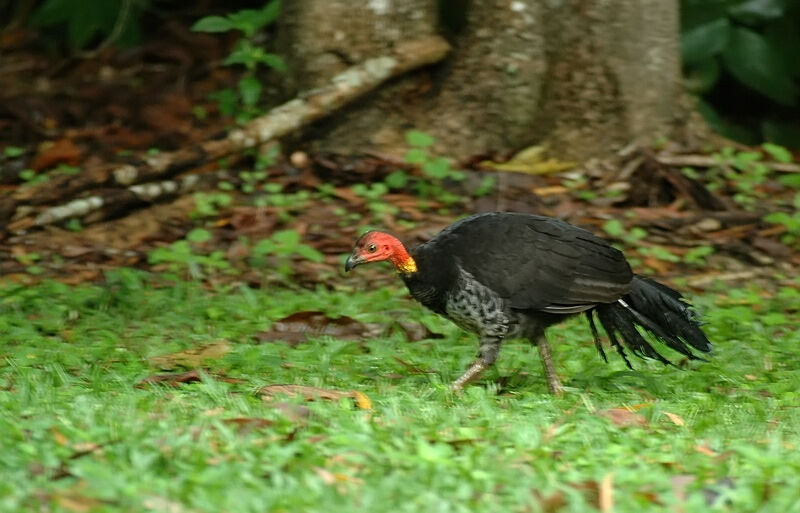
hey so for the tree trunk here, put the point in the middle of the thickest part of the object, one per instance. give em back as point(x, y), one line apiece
point(584, 76)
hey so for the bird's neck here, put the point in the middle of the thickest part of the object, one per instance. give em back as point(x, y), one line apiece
point(402, 261)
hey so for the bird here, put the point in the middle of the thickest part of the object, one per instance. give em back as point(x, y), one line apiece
point(506, 275)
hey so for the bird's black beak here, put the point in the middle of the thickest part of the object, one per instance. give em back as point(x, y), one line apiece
point(352, 261)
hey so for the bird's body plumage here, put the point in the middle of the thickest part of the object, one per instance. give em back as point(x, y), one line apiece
point(507, 275)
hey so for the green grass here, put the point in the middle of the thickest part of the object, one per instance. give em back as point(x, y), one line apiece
point(76, 435)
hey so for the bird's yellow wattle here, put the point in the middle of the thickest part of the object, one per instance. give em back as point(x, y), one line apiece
point(406, 266)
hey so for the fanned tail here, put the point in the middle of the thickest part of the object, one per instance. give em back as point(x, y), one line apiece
point(657, 309)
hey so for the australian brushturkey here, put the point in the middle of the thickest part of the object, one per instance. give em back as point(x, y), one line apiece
point(507, 275)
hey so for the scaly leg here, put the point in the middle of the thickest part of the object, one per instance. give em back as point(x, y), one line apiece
point(490, 347)
point(553, 383)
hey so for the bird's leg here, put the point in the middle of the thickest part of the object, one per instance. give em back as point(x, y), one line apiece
point(553, 383)
point(490, 347)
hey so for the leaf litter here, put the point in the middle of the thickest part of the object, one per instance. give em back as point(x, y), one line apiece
point(309, 393)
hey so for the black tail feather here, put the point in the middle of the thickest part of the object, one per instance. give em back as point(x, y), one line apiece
point(657, 309)
point(596, 335)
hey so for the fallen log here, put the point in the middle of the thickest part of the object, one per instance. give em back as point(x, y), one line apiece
point(343, 88)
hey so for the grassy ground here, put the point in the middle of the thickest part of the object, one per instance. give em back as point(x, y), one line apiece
point(77, 435)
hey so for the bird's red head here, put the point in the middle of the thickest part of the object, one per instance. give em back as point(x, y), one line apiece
point(378, 246)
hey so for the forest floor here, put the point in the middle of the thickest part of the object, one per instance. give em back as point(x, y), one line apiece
point(205, 351)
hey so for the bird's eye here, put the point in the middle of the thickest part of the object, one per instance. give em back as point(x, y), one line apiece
point(372, 248)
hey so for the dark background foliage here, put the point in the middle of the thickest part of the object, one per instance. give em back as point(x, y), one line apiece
point(742, 58)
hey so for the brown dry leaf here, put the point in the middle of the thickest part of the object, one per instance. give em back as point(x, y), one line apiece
point(623, 417)
point(247, 424)
point(59, 437)
point(297, 327)
point(312, 393)
point(657, 265)
point(78, 503)
point(551, 503)
point(704, 449)
point(62, 151)
point(550, 190)
point(194, 357)
point(293, 412)
point(676, 419)
point(73, 499)
point(750, 377)
point(171, 379)
point(606, 493)
point(416, 331)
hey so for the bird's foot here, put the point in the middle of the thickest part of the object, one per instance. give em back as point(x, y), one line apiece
point(471, 374)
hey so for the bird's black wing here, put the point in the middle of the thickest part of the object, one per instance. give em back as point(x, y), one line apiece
point(535, 262)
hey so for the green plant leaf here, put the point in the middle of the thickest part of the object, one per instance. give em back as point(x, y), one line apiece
point(198, 235)
point(784, 38)
point(437, 168)
point(213, 24)
point(309, 253)
point(263, 247)
point(396, 179)
point(13, 151)
point(705, 41)
point(777, 152)
point(419, 139)
point(286, 237)
point(755, 11)
point(778, 218)
point(754, 63)
point(250, 89)
point(698, 254)
point(273, 61)
point(270, 12)
point(614, 227)
point(702, 76)
point(700, 12)
point(416, 156)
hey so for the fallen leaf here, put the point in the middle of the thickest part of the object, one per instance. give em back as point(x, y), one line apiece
point(606, 493)
point(623, 417)
point(532, 161)
point(299, 326)
point(59, 437)
point(78, 503)
point(174, 379)
point(551, 503)
point(750, 377)
point(362, 401)
point(294, 412)
point(247, 424)
point(171, 379)
point(312, 393)
point(703, 449)
point(336, 478)
point(194, 357)
point(550, 190)
point(62, 151)
point(676, 419)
